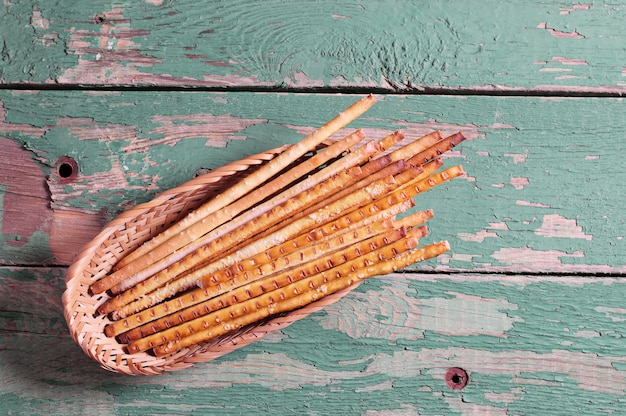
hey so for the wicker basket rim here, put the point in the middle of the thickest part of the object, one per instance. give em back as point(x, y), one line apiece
point(203, 353)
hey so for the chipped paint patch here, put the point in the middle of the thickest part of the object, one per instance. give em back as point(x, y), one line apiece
point(531, 204)
point(587, 334)
point(218, 129)
point(590, 371)
point(557, 226)
point(301, 79)
point(404, 409)
point(560, 34)
point(575, 7)
point(37, 21)
point(555, 70)
point(477, 237)
point(519, 183)
point(498, 226)
point(530, 259)
point(568, 61)
point(461, 257)
point(517, 157)
point(570, 77)
point(406, 317)
point(614, 314)
point(511, 396)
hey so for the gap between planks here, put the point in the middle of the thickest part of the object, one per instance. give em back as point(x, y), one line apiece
point(549, 91)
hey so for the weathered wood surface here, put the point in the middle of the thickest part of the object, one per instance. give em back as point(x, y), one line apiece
point(480, 45)
point(531, 344)
point(529, 301)
point(544, 189)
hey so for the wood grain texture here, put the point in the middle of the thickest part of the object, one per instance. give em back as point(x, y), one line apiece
point(142, 95)
point(488, 46)
point(384, 349)
point(543, 192)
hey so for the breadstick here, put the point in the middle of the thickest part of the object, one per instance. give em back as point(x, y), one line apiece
point(404, 193)
point(175, 236)
point(306, 292)
point(416, 146)
point(354, 158)
point(368, 175)
point(334, 210)
point(413, 220)
point(437, 149)
point(250, 216)
point(350, 221)
point(248, 288)
point(269, 296)
point(287, 255)
point(218, 245)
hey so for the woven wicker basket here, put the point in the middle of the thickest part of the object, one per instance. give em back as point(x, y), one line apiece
point(127, 232)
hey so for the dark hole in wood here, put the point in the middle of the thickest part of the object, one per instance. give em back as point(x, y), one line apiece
point(99, 19)
point(67, 168)
point(456, 378)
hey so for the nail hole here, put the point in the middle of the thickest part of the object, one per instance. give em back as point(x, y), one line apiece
point(99, 19)
point(456, 378)
point(67, 168)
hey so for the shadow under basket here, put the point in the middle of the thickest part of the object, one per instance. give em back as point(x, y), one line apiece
point(127, 232)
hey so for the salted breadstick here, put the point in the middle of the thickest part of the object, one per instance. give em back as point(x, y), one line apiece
point(354, 158)
point(437, 149)
point(351, 221)
point(416, 146)
point(292, 298)
point(334, 210)
point(412, 220)
point(270, 295)
point(217, 246)
point(268, 280)
point(406, 192)
point(250, 217)
point(282, 257)
point(389, 141)
point(368, 176)
point(175, 236)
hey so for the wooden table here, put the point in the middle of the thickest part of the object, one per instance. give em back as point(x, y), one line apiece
point(105, 104)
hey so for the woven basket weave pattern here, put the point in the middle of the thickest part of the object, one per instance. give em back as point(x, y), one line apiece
point(127, 232)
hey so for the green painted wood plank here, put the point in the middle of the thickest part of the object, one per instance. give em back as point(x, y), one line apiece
point(531, 345)
point(544, 191)
point(395, 45)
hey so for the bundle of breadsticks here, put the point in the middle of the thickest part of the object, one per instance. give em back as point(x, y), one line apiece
point(318, 218)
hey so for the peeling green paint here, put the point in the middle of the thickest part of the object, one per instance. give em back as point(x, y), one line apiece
point(459, 44)
point(573, 175)
point(544, 355)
